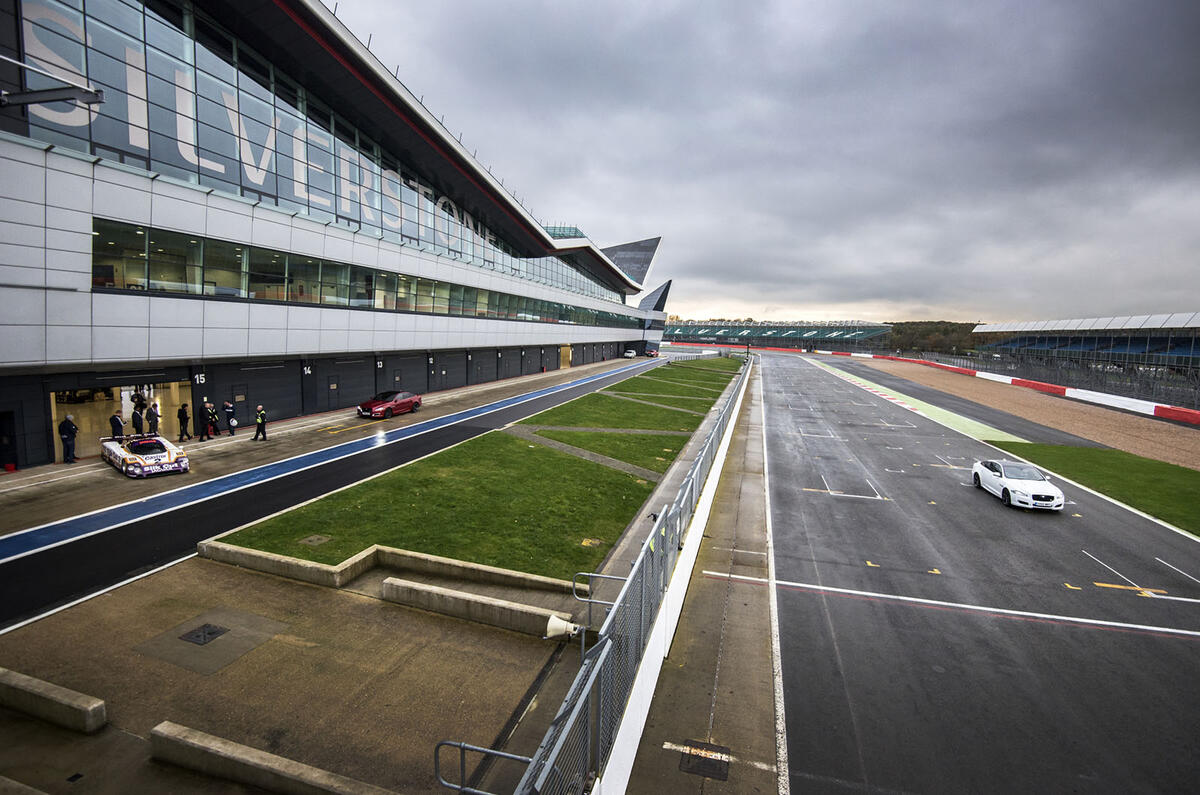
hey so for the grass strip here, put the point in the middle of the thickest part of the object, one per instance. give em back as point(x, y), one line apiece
point(495, 500)
point(686, 402)
point(644, 450)
point(598, 410)
point(1163, 490)
point(644, 385)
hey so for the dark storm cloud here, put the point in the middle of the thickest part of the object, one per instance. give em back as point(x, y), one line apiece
point(968, 160)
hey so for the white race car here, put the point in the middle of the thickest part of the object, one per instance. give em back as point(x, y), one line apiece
point(1022, 485)
point(143, 454)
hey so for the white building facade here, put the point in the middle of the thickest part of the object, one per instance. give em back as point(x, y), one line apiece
point(257, 212)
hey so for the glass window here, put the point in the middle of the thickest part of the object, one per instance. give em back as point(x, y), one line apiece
point(456, 299)
point(223, 270)
point(214, 51)
point(118, 255)
point(441, 298)
point(268, 275)
point(481, 303)
point(175, 261)
point(406, 293)
point(385, 291)
point(424, 301)
point(362, 286)
point(304, 279)
point(254, 75)
point(335, 283)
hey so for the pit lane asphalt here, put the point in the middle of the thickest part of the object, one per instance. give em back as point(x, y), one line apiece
point(902, 669)
point(55, 564)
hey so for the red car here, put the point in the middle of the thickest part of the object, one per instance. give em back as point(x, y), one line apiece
point(385, 404)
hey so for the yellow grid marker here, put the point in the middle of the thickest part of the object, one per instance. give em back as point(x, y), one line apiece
point(1077, 515)
point(1071, 587)
point(872, 565)
point(931, 502)
point(934, 571)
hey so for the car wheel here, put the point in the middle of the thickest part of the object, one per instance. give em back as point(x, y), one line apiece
point(415, 406)
point(387, 415)
point(975, 479)
point(1004, 498)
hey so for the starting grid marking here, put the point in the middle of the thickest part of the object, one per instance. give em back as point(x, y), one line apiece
point(999, 612)
point(37, 539)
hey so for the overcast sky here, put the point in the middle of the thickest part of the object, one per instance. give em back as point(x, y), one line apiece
point(842, 159)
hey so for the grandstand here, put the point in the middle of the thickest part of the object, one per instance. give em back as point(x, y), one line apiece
point(1153, 357)
point(850, 335)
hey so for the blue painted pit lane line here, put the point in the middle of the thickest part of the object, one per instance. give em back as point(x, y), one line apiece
point(36, 539)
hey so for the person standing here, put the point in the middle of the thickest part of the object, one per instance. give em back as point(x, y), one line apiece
point(214, 422)
point(152, 416)
point(117, 424)
point(260, 423)
point(230, 422)
point(182, 414)
point(67, 431)
point(136, 419)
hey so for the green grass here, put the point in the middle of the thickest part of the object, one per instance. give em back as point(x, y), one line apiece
point(644, 385)
point(604, 411)
point(645, 450)
point(1163, 490)
point(711, 379)
point(722, 364)
point(495, 500)
point(700, 404)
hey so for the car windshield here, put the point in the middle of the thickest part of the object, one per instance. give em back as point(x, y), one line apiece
point(146, 446)
point(384, 396)
point(1022, 472)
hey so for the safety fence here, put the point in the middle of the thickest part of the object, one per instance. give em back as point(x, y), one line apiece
point(579, 742)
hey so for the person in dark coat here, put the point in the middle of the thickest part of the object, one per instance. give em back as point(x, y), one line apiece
point(260, 423)
point(117, 424)
point(214, 422)
point(230, 422)
point(152, 416)
point(136, 419)
point(67, 430)
point(182, 415)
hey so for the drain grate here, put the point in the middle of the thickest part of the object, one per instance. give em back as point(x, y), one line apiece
point(314, 540)
point(705, 759)
point(204, 634)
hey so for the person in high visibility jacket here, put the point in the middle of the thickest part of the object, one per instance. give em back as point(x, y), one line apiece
point(260, 423)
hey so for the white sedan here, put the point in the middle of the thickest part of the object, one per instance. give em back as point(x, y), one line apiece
point(1022, 485)
point(142, 455)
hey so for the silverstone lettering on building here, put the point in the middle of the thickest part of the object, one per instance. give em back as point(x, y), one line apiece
point(287, 154)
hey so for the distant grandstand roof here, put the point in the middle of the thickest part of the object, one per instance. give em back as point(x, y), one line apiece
point(634, 258)
point(758, 330)
point(1126, 323)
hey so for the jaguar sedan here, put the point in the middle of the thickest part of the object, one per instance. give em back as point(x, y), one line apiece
point(386, 404)
point(1015, 483)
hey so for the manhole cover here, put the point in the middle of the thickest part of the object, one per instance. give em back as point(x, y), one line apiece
point(203, 634)
point(314, 541)
point(705, 759)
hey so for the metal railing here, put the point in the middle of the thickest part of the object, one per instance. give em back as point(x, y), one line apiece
point(577, 746)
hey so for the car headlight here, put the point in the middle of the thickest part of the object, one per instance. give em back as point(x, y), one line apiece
point(1019, 493)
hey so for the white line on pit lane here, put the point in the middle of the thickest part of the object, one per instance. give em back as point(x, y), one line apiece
point(1095, 622)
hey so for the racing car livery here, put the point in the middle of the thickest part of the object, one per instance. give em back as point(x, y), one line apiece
point(143, 454)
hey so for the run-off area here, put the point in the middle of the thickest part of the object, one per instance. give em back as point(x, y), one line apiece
point(935, 640)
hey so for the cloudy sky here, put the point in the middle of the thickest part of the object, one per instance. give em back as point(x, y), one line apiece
point(880, 160)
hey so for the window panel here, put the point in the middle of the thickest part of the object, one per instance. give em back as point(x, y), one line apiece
point(224, 273)
point(267, 275)
point(406, 293)
point(175, 262)
point(335, 283)
point(304, 279)
point(118, 255)
point(384, 290)
point(214, 51)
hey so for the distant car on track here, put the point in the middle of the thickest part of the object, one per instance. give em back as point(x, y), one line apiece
point(630, 353)
point(1015, 483)
point(142, 455)
point(386, 404)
